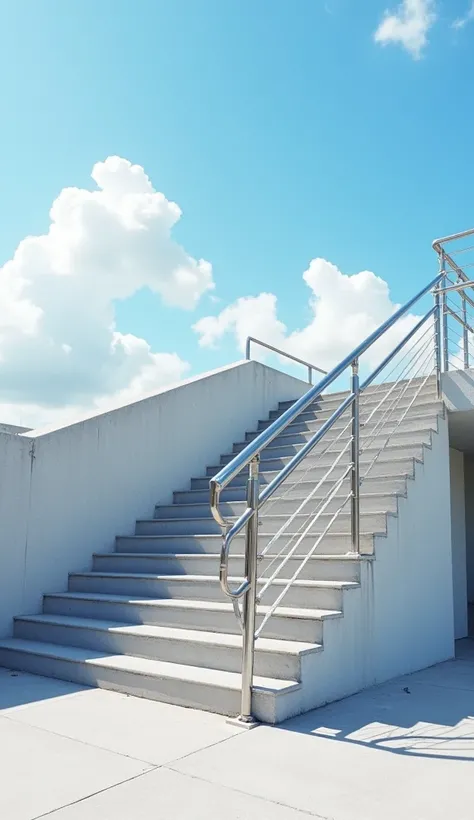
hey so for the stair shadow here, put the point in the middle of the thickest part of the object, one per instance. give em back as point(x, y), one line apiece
point(404, 717)
point(21, 688)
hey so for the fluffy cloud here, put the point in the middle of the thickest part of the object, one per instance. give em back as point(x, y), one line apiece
point(346, 309)
point(59, 345)
point(408, 26)
point(468, 18)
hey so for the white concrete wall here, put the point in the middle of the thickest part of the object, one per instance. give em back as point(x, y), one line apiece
point(413, 579)
point(65, 493)
point(458, 390)
point(401, 618)
point(469, 503)
point(458, 542)
point(13, 428)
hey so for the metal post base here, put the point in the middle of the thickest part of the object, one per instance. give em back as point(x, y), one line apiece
point(243, 722)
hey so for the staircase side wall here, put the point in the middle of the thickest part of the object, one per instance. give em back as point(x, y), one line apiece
point(409, 588)
point(401, 618)
point(68, 492)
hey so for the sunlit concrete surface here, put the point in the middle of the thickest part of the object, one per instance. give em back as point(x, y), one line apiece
point(402, 750)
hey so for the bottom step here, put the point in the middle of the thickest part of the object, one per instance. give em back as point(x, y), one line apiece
point(208, 689)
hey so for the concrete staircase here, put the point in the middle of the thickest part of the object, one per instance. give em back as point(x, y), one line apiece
point(150, 619)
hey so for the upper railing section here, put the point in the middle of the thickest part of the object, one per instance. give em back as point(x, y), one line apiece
point(284, 354)
point(456, 256)
point(335, 455)
point(255, 447)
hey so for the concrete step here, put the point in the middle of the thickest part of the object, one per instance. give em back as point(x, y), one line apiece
point(308, 418)
point(319, 594)
point(368, 441)
point(208, 689)
point(385, 484)
point(372, 398)
point(430, 383)
point(333, 543)
point(212, 650)
point(287, 623)
point(326, 459)
point(394, 467)
point(301, 433)
point(374, 521)
point(281, 506)
point(318, 567)
point(324, 411)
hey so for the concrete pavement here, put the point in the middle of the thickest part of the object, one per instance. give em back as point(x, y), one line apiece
point(401, 750)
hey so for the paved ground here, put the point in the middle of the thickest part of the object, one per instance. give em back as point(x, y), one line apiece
point(402, 751)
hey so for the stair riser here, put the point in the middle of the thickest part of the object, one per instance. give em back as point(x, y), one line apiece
point(374, 443)
point(297, 436)
point(278, 506)
point(331, 544)
point(208, 697)
point(396, 486)
point(228, 659)
point(194, 590)
point(327, 459)
point(314, 570)
point(313, 419)
point(284, 628)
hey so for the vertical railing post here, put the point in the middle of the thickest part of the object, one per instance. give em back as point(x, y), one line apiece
point(437, 341)
point(444, 313)
point(249, 606)
point(355, 455)
point(310, 374)
point(465, 334)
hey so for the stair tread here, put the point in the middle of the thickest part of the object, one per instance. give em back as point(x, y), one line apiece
point(145, 666)
point(365, 435)
point(401, 459)
point(275, 499)
point(284, 516)
point(218, 536)
point(205, 556)
point(338, 425)
point(221, 639)
point(183, 603)
point(182, 579)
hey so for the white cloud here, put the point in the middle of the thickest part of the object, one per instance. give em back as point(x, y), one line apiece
point(408, 26)
point(59, 345)
point(346, 309)
point(468, 18)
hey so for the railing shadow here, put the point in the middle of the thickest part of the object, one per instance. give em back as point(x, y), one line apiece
point(414, 716)
point(21, 689)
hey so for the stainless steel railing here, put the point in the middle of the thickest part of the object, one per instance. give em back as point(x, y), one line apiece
point(346, 449)
point(457, 299)
point(311, 367)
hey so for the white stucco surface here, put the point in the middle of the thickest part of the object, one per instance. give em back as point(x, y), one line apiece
point(67, 492)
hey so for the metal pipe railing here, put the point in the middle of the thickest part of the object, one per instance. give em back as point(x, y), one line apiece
point(250, 456)
point(310, 366)
point(242, 459)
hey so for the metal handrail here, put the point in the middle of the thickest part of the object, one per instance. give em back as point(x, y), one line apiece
point(461, 285)
point(250, 456)
point(254, 448)
point(310, 366)
point(437, 243)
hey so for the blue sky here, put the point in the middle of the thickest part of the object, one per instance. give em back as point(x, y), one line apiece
point(282, 129)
